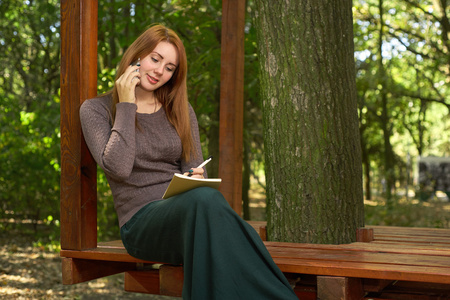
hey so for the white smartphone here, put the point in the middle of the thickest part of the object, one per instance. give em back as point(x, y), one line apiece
point(137, 63)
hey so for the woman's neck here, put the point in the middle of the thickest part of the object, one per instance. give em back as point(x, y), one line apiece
point(146, 101)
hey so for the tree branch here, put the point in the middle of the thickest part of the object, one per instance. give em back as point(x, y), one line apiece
point(435, 46)
point(416, 5)
point(420, 97)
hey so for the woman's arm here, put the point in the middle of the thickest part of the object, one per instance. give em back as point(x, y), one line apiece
point(113, 147)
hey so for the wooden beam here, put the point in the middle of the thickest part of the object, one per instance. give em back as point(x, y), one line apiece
point(142, 282)
point(168, 281)
point(82, 270)
point(78, 82)
point(231, 102)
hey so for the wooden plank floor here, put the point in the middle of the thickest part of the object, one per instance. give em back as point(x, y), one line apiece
point(427, 238)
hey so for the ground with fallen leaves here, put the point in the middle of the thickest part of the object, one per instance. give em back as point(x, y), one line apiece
point(28, 272)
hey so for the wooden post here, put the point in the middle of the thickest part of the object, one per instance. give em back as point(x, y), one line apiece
point(344, 288)
point(78, 82)
point(364, 235)
point(171, 280)
point(231, 101)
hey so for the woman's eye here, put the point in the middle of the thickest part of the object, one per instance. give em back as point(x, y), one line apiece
point(169, 69)
point(154, 59)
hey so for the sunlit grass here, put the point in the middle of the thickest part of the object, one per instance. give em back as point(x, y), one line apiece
point(401, 211)
point(408, 212)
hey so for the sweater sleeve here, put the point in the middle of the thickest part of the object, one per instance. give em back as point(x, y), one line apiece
point(185, 166)
point(113, 147)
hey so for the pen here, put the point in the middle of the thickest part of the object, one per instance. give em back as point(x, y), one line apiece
point(201, 165)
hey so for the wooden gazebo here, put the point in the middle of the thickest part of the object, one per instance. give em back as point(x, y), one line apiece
point(385, 261)
point(79, 20)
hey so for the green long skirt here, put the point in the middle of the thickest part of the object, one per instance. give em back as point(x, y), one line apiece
point(222, 255)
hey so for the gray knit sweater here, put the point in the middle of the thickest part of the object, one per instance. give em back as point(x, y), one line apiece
point(138, 162)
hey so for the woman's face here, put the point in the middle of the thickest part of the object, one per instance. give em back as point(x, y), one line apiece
point(158, 67)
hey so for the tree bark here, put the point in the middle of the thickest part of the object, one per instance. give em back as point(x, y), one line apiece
point(313, 151)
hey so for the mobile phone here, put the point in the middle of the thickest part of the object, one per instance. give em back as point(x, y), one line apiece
point(137, 63)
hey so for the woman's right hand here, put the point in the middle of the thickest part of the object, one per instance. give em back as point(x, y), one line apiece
point(195, 173)
point(126, 84)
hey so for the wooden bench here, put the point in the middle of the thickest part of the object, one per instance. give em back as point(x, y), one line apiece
point(398, 262)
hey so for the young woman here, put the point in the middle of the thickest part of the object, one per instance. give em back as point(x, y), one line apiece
point(141, 133)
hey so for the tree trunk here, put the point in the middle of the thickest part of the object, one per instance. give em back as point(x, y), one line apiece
point(366, 169)
point(312, 143)
point(246, 180)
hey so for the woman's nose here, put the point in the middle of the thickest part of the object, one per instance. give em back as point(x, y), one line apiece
point(160, 70)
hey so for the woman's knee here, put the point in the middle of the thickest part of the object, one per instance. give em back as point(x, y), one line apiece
point(207, 197)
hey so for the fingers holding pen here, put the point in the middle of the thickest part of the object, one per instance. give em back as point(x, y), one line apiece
point(195, 173)
point(198, 172)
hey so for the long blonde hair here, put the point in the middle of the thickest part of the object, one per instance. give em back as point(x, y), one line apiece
point(173, 94)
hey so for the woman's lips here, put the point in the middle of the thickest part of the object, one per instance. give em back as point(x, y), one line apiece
point(152, 80)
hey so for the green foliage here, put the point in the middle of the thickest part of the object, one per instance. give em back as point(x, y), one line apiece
point(401, 52)
point(29, 109)
point(48, 244)
point(415, 59)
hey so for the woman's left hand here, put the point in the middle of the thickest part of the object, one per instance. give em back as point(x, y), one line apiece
point(196, 173)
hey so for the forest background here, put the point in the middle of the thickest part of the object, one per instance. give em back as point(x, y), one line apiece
point(403, 75)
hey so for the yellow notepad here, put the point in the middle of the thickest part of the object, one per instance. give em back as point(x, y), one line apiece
point(181, 183)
